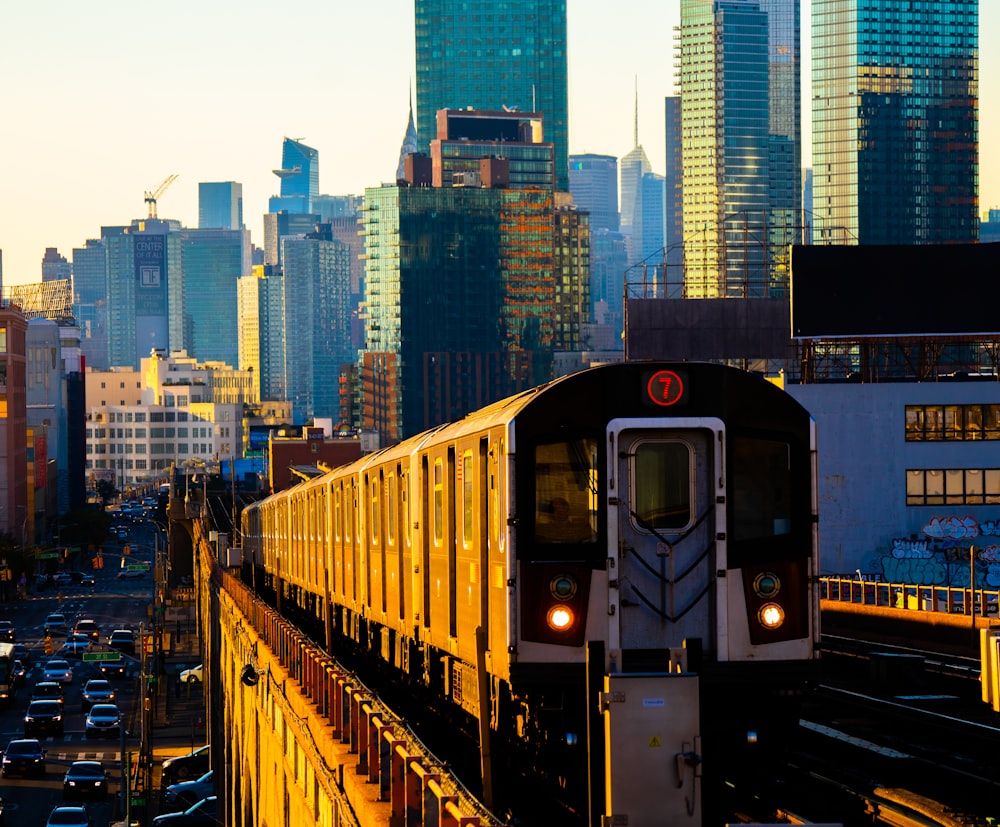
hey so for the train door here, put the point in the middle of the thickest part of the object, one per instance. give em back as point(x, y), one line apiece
point(664, 518)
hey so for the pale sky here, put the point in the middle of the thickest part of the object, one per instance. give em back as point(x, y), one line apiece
point(101, 100)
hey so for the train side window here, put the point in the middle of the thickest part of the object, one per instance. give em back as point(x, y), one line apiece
point(374, 521)
point(391, 509)
point(438, 501)
point(760, 488)
point(566, 492)
point(337, 514)
point(468, 503)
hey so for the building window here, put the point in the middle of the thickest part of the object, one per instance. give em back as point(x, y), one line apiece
point(937, 423)
point(953, 486)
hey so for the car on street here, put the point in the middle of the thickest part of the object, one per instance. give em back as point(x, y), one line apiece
point(55, 624)
point(47, 691)
point(63, 579)
point(183, 767)
point(103, 721)
point(204, 812)
point(7, 631)
point(182, 795)
point(23, 755)
point(58, 669)
point(123, 640)
point(69, 817)
point(96, 691)
point(88, 627)
point(192, 675)
point(43, 718)
point(85, 779)
point(18, 673)
point(22, 653)
point(75, 646)
point(114, 668)
point(131, 574)
point(86, 580)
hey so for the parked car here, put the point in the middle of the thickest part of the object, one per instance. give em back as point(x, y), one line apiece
point(55, 624)
point(58, 669)
point(7, 632)
point(85, 778)
point(183, 767)
point(123, 640)
point(204, 812)
point(103, 721)
point(96, 691)
point(192, 675)
point(114, 668)
point(69, 817)
point(47, 690)
point(22, 653)
point(43, 718)
point(88, 627)
point(23, 755)
point(182, 795)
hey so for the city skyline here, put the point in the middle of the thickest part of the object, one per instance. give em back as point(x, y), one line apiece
point(105, 102)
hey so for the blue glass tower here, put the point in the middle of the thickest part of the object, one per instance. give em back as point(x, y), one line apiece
point(490, 56)
point(895, 121)
point(299, 174)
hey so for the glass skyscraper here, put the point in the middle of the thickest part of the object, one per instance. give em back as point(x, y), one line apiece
point(895, 121)
point(738, 64)
point(220, 205)
point(299, 174)
point(489, 56)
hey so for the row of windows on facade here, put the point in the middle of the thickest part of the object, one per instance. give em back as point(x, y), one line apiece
point(131, 465)
point(154, 433)
point(154, 416)
point(934, 423)
point(199, 449)
point(953, 486)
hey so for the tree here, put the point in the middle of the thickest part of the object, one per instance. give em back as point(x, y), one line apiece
point(106, 491)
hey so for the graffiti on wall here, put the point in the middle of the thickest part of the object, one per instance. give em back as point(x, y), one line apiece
point(949, 548)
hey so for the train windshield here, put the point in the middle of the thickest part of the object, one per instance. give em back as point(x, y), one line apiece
point(566, 492)
point(761, 489)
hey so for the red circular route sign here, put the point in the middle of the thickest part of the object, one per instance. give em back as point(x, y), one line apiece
point(665, 388)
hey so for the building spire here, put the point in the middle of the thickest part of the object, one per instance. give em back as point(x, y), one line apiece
point(410, 144)
point(636, 141)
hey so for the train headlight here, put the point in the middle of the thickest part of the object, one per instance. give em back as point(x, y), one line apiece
point(771, 616)
point(562, 587)
point(560, 618)
point(767, 585)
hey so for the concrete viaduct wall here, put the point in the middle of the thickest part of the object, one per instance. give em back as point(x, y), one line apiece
point(302, 743)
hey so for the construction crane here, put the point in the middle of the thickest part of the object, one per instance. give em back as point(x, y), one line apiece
point(152, 196)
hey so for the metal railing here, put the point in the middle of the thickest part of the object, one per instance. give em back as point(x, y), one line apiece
point(910, 596)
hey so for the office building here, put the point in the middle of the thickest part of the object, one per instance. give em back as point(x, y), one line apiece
point(279, 225)
point(299, 175)
point(460, 296)
point(212, 261)
point(895, 121)
point(220, 205)
point(593, 183)
point(474, 53)
point(55, 267)
point(90, 306)
point(646, 241)
point(571, 278)
point(507, 141)
point(738, 63)
point(15, 516)
point(673, 192)
point(317, 322)
point(261, 301)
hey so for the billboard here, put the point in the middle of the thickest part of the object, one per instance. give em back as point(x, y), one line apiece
point(883, 291)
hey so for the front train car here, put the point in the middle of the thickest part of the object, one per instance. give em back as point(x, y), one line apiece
point(663, 524)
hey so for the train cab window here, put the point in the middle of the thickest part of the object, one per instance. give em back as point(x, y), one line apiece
point(566, 492)
point(761, 489)
point(662, 492)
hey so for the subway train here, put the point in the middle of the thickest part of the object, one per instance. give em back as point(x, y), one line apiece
point(642, 531)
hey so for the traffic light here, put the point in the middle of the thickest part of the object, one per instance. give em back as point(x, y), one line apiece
point(48, 644)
